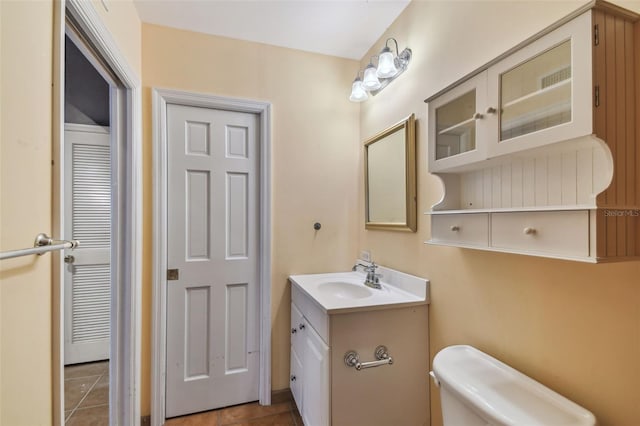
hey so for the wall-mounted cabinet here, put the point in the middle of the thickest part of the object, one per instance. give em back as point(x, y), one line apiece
point(539, 150)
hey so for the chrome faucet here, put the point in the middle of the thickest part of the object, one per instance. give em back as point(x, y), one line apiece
point(372, 280)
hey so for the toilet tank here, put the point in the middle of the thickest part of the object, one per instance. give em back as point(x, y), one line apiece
point(477, 389)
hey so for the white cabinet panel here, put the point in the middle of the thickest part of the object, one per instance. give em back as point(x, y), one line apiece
point(309, 367)
point(315, 393)
point(296, 378)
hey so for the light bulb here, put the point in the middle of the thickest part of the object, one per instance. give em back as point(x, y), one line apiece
point(386, 67)
point(371, 81)
point(358, 94)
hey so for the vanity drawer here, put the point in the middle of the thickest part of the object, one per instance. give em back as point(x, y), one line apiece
point(469, 229)
point(316, 317)
point(562, 233)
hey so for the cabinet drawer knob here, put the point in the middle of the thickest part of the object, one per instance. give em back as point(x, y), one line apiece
point(491, 110)
point(293, 378)
point(477, 116)
point(529, 231)
point(454, 228)
point(302, 327)
point(294, 331)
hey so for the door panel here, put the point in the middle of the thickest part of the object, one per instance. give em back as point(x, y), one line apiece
point(87, 199)
point(212, 322)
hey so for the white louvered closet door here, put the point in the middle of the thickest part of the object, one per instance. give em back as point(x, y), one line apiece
point(87, 205)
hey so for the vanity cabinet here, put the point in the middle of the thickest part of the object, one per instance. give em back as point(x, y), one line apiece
point(539, 150)
point(328, 392)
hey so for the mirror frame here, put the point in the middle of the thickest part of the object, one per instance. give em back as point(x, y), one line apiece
point(410, 224)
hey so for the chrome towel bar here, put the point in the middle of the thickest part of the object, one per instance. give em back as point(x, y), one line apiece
point(351, 359)
point(41, 245)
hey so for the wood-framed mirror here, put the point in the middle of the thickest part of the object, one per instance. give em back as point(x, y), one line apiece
point(390, 178)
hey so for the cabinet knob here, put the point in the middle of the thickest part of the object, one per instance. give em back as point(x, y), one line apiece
point(491, 110)
point(477, 116)
point(529, 231)
point(302, 327)
point(293, 378)
point(454, 228)
point(294, 331)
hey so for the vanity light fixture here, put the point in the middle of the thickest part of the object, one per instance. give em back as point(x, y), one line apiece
point(377, 78)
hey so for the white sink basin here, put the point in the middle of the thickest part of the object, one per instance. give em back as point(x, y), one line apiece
point(345, 290)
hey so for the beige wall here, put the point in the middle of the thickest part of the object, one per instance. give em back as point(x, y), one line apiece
point(25, 199)
point(574, 327)
point(314, 155)
point(26, 48)
point(121, 18)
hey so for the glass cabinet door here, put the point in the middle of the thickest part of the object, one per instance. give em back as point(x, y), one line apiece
point(455, 129)
point(456, 126)
point(536, 94)
point(542, 93)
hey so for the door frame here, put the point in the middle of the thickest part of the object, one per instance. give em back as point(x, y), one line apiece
point(126, 268)
point(160, 99)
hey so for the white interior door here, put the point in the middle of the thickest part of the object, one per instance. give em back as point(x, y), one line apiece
point(212, 309)
point(87, 282)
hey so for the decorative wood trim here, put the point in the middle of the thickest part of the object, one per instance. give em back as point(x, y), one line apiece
point(616, 67)
point(411, 208)
point(613, 9)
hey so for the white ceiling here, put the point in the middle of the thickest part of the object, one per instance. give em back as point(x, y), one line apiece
point(344, 28)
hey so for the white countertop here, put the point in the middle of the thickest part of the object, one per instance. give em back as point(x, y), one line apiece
point(398, 290)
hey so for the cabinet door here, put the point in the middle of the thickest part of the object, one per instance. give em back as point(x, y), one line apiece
point(455, 125)
point(315, 392)
point(543, 92)
point(297, 337)
point(296, 372)
point(296, 378)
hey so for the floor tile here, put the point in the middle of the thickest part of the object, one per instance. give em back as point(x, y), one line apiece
point(89, 369)
point(209, 418)
point(282, 419)
point(281, 396)
point(99, 394)
point(92, 416)
point(76, 389)
point(250, 411)
point(297, 417)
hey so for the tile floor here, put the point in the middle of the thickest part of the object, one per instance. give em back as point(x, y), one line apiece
point(86, 402)
point(86, 394)
point(281, 412)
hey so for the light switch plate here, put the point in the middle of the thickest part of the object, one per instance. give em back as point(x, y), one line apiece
point(365, 255)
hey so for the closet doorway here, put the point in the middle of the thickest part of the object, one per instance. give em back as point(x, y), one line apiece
point(97, 200)
point(86, 199)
